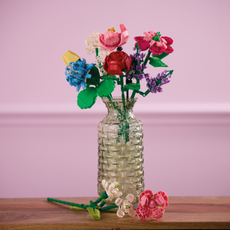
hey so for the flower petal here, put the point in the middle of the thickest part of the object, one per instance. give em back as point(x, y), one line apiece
point(168, 40)
point(143, 44)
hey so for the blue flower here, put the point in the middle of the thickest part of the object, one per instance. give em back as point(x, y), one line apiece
point(77, 72)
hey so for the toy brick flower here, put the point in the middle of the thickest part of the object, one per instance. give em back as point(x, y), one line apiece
point(92, 42)
point(125, 206)
point(152, 205)
point(117, 61)
point(77, 72)
point(143, 213)
point(111, 40)
point(156, 43)
point(111, 190)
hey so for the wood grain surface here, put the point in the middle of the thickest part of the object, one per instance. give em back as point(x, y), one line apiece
point(182, 213)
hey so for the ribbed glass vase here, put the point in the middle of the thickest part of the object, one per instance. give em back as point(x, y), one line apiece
point(120, 148)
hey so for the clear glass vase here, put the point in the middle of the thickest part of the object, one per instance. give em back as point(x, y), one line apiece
point(120, 148)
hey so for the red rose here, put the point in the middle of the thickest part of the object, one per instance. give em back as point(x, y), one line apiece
point(117, 61)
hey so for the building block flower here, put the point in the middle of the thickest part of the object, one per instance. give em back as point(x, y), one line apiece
point(125, 206)
point(111, 190)
point(77, 72)
point(152, 205)
point(117, 61)
point(142, 213)
point(156, 43)
point(70, 56)
point(112, 40)
point(157, 213)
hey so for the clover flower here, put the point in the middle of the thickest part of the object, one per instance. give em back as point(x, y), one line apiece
point(111, 190)
point(76, 72)
point(125, 206)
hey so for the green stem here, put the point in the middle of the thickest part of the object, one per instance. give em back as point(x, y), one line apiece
point(97, 53)
point(124, 110)
point(123, 96)
point(102, 204)
point(147, 57)
point(109, 207)
point(68, 203)
point(133, 94)
point(135, 91)
point(144, 94)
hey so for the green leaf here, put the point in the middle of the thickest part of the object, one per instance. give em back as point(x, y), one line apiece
point(132, 86)
point(156, 62)
point(161, 56)
point(87, 97)
point(113, 77)
point(105, 88)
point(95, 78)
point(94, 213)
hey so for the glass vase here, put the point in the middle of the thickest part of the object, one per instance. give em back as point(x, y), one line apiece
point(120, 148)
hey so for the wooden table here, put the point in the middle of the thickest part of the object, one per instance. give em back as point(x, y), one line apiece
point(182, 212)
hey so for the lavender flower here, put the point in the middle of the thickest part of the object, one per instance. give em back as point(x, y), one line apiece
point(138, 68)
point(154, 84)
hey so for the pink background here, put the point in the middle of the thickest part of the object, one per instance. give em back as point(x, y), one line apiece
point(48, 146)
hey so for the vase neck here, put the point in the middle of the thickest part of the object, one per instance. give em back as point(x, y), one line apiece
point(116, 106)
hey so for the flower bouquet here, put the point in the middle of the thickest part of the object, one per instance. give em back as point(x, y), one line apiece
point(99, 79)
point(120, 134)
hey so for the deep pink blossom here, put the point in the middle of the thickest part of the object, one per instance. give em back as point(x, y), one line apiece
point(111, 39)
point(161, 199)
point(152, 205)
point(157, 213)
point(143, 213)
point(155, 43)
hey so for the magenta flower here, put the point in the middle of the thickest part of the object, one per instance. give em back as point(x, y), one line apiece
point(152, 205)
point(112, 40)
point(155, 43)
point(143, 213)
point(157, 213)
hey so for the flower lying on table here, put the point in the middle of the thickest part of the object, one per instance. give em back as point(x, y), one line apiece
point(149, 205)
point(152, 205)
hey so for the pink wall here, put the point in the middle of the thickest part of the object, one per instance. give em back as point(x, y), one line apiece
point(43, 147)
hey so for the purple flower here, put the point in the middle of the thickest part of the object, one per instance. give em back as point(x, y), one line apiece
point(140, 77)
point(142, 55)
point(138, 68)
point(154, 84)
point(128, 76)
point(143, 66)
point(164, 81)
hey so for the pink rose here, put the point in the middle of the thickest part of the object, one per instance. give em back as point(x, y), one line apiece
point(111, 40)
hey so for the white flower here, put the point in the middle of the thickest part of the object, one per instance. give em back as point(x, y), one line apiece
point(111, 190)
point(92, 42)
point(125, 206)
